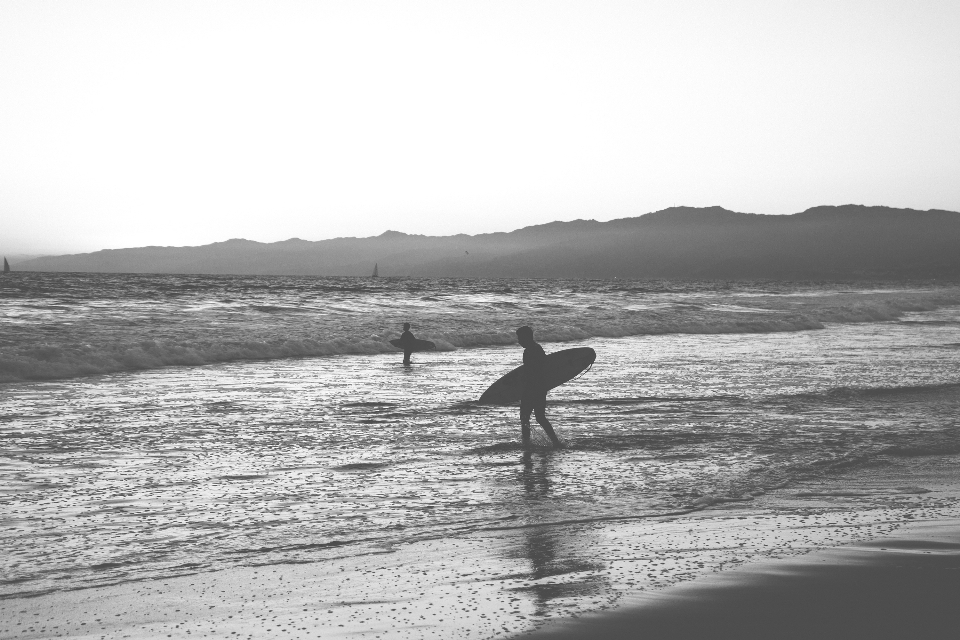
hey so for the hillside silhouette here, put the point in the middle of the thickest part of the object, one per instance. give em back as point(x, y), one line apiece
point(850, 241)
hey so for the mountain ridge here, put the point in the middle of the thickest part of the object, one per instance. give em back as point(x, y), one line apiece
point(847, 241)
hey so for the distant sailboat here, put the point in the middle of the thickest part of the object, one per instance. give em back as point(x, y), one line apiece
point(6, 266)
point(375, 274)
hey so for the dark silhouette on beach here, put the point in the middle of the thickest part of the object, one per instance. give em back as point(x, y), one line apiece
point(534, 396)
point(407, 339)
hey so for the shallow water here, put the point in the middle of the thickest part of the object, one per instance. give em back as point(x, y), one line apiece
point(720, 423)
point(139, 475)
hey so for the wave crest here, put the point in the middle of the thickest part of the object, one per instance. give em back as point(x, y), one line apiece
point(45, 339)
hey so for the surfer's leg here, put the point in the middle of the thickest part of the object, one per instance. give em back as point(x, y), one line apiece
point(525, 410)
point(540, 410)
point(406, 356)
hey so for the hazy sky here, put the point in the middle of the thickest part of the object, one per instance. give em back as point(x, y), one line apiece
point(137, 122)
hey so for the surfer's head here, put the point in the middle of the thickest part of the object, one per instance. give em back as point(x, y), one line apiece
point(406, 326)
point(524, 335)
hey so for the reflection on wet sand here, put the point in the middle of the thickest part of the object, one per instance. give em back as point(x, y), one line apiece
point(554, 552)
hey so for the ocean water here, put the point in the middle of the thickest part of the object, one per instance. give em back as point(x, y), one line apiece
point(65, 325)
point(157, 426)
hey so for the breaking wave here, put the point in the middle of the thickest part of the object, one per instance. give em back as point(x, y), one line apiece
point(68, 325)
point(52, 362)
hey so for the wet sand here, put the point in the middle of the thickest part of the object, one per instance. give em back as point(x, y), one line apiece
point(901, 584)
point(904, 586)
point(817, 560)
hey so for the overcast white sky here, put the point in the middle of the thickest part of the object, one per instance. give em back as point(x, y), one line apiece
point(159, 122)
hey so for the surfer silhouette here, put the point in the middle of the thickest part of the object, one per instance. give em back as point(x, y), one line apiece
point(407, 339)
point(533, 398)
point(409, 344)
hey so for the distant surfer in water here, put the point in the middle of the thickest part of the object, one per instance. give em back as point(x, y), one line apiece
point(407, 338)
point(534, 396)
point(408, 343)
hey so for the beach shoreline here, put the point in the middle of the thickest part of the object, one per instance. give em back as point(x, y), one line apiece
point(901, 586)
point(901, 565)
point(355, 497)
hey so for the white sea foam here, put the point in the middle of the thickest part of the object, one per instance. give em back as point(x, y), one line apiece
point(56, 328)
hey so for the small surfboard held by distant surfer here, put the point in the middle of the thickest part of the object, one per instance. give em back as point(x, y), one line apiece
point(414, 345)
point(560, 367)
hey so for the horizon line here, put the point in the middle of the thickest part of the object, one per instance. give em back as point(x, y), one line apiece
point(29, 255)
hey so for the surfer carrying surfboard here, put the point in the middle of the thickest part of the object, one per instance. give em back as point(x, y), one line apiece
point(533, 397)
point(407, 339)
point(409, 344)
